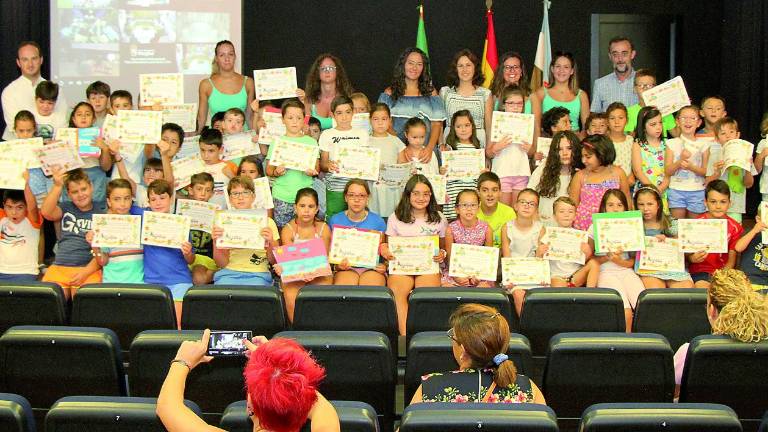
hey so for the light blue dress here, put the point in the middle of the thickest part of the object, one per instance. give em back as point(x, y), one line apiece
point(427, 108)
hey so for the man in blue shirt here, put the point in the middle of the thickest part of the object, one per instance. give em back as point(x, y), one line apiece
point(617, 86)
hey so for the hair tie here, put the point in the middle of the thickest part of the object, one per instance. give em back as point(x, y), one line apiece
point(498, 359)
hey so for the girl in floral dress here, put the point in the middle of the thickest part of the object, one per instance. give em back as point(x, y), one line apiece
point(467, 229)
point(648, 152)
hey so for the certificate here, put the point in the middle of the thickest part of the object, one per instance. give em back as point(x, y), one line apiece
point(12, 167)
point(262, 195)
point(667, 97)
point(161, 88)
point(564, 244)
point(481, 262)
point(439, 187)
point(395, 174)
point(294, 155)
point(164, 229)
point(116, 231)
point(661, 256)
point(463, 164)
point(86, 142)
point(273, 127)
point(764, 216)
point(110, 129)
point(239, 145)
point(703, 235)
point(542, 146)
point(618, 230)
point(201, 214)
point(525, 271)
point(277, 83)
point(302, 261)
point(738, 153)
point(68, 135)
point(24, 148)
point(184, 115)
point(414, 255)
point(140, 127)
point(516, 125)
point(190, 147)
point(361, 121)
point(61, 154)
point(359, 247)
point(241, 229)
point(355, 161)
point(184, 169)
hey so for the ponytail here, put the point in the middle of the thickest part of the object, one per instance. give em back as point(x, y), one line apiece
point(505, 372)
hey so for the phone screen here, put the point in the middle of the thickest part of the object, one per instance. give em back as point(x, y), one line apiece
point(227, 343)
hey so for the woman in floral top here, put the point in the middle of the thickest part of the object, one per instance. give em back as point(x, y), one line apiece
point(480, 339)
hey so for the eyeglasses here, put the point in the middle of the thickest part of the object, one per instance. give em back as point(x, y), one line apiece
point(327, 68)
point(645, 86)
point(619, 54)
point(510, 103)
point(421, 194)
point(241, 194)
point(511, 67)
point(525, 203)
point(357, 196)
point(467, 205)
point(451, 334)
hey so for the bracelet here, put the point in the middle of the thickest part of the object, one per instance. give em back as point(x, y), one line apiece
point(181, 362)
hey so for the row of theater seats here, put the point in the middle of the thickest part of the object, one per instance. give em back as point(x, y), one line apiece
point(677, 314)
point(115, 414)
point(46, 363)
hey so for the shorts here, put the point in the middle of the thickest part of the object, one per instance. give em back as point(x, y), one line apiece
point(693, 201)
point(8, 277)
point(701, 276)
point(202, 260)
point(334, 203)
point(513, 183)
point(234, 277)
point(62, 275)
point(283, 212)
point(179, 290)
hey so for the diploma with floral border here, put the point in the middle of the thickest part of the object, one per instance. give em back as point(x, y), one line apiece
point(414, 255)
point(395, 174)
point(480, 262)
point(62, 154)
point(519, 126)
point(184, 115)
point(184, 169)
point(201, 213)
point(140, 127)
point(116, 231)
point(12, 167)
point(360, 247)
point(239, 145)
point(564, 244)
point(165, 229)
point(738, 153)
point(294, 155)
point(542, 146)
point(241, 229)
point(661, 256)
point(355, 161)
point(278, 83)
point(23, 148)
point(161, 88)
point(667, 97)
point(525, 271)
point(273, 127)
point(618, 230)
point(190, 147)
point(703, 235)
point(439, 184)
point(463, 164)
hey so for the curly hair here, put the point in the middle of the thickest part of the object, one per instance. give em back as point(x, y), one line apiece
point(398, 75)
point(550, 176)
point(742, 313)
point(452, 77)
point(498, 78)
point(550, 118)
point(312, 86)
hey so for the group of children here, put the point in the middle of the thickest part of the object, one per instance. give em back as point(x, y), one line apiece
point(508, 206)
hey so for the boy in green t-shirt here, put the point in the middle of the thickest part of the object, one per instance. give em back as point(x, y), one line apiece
point(646, 80)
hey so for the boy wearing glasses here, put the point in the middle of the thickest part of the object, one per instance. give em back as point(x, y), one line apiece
point(646, 80)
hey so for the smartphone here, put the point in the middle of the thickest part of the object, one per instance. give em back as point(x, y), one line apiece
point(228, 343)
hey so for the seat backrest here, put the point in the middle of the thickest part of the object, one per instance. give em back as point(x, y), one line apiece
point(430, 308)
point(679, 314)
point(113, 414)
point(430, 352)
point(31, 303)
point(353, 417)
point(549, 311)
point(226, 307)
point(359, 366)
point(719, 369)
point(587, 368)
point(764, 423)
point(333, 307)
point(652, 417)
point(15, 414)
point(47, 363)
point(213, 385)
point(126, 309)
point(472, 417)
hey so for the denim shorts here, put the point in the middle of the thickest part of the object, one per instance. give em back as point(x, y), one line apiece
point(693, 201)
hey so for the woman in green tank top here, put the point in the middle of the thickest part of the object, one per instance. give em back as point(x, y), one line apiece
point(225, 88)
point(564, 89)
point(326, 79)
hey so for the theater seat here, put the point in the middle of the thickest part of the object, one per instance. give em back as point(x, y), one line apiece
point(679, 314)
point(431, 352)
point(359, 366)
point(764, 423)
point(473, 417)
point(15, 414)
point(126, 309)
point(113, 414)
point(653, 417)
point(721, 370)
point(227, 307)
point(548, 311)
point(213, 385)
point(31, 303)
point(587, 368)
point(353, 416)
point(430, 308)
point(47, 363)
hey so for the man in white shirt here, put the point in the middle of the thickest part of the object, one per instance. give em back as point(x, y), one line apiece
point(617, 86)
point(20, 93)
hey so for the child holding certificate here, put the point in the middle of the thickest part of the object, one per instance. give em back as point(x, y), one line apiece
point(204, 266)
point(685, 163)
point(622, 142)
point(251, 167)
point(645, 79)
point(617, 267)
point(20, 223)
point(24, 126)
point(492, 211)
point(83, 116)
point(738, 179)
point(245, 266)
point(289, 181)
point(356, 194)
point(519, 237)
point(120, 264)
point(211, 142)
point(658, 224)
point(384, 196)
point(703, 264)
point(467, 229)
point(648, 151)
point(461, 136)
point(415, 131)
point(552, 178)
point(416, 215)
point(74, 265)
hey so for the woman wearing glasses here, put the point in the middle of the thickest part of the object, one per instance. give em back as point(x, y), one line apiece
point(480, 339)
point(357, 215)
point(465, 92)
point(326, 79)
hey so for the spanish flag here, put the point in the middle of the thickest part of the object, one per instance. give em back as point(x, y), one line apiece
point(490, 54)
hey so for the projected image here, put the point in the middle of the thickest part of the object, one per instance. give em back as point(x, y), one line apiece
point(194, 58)
point(145, 27)
point(202, 27)
point(96, 63)
point(90, 28)
point(88, 4)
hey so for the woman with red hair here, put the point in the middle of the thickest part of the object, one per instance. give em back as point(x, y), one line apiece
point(281, 380)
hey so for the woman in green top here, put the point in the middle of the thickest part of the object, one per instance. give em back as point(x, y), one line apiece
point(225, 88)
point(326, 79)
point(511, 71)
point(564, 89)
